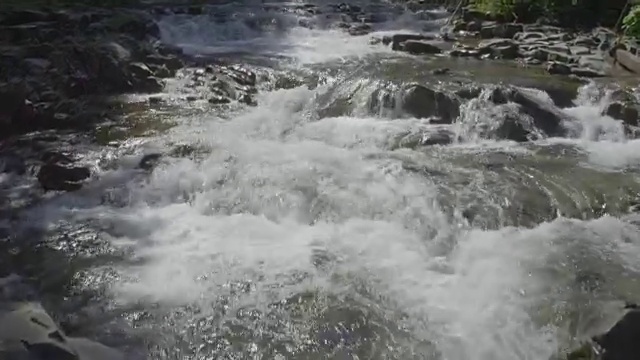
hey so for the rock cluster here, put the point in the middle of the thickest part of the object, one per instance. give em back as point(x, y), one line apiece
point(51, 61)
point(560, 51)
point(55, 66)
point(500, 112)
point(223, 84)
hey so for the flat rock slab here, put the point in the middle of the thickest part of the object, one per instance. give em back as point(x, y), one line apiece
point(628, 60)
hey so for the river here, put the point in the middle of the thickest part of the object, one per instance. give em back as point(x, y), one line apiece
point(313, 227)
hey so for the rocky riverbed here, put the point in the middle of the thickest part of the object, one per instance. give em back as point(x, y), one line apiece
point(196, 181)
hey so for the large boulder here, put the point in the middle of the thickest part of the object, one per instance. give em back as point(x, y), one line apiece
point(545, 116)
point(27, 332)
point(423, 102)
point(624, 111)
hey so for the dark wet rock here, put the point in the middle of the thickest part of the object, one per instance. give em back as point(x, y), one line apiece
point(432, 137)
point(562, 95)
point(171, 62)
point(149, 161)
point(140, 70)
point(621, 341)
point(247, 100)
point(423, 102)
point(161, 71)
point(547, 54)
point(464, 53)
point(546, 117)
point(28, 332)
point(556, 68)
point(499, 48)
point(382, 99)
point(469, 92)
point(419, 47)
point(622, 111)
point(397, 39)
point(526, 36)
point(62, 177)
point(359, 29)
point(217, 99)
point(241, 75)
point(586, 72)
point(512, 127)
point(149, 85)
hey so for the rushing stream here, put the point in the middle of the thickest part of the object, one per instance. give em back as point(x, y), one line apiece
point(314, 226)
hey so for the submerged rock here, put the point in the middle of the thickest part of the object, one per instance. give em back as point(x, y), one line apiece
point(149, 161)
point(59, 177)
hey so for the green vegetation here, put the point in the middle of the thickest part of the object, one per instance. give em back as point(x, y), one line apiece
point(567, 12)
point(631, 22)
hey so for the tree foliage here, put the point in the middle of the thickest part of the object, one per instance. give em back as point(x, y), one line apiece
point(567, 12)
point(631, 22)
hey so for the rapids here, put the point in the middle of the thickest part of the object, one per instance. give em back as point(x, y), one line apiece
point(310, 227)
